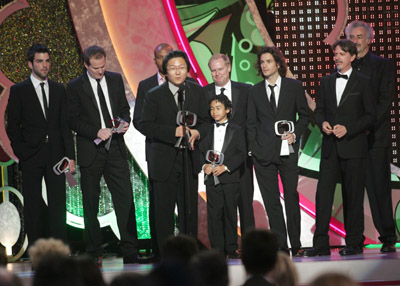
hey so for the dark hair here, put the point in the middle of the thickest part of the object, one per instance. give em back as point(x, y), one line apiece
point(179, 249)
point(346, 46)
point(36, 48)
point(278, 57)
point(259, 251)
point(93, 51)
point(162, 46)
point(209, 268)
point(175, 54)
point(224, 100)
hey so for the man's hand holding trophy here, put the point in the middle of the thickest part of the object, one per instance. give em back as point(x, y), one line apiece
point(285, 129)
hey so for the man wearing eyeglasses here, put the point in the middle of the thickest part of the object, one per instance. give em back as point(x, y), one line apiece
point(167, 169)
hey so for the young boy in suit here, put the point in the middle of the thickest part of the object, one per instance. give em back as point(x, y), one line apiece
point(222, 197)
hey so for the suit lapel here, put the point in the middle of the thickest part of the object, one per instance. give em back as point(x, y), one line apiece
point(264, 98)
point(235, 97)
point(35, 99)
point(332, 89)
point(111, 90)
point(87, 88)
point(169, 97)
point(228, 137)
point(351, 82)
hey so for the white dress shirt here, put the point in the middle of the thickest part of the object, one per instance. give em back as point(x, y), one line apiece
point(36, 84)
point(277, 89)
point(341, 85)
point(103, 84)
point(227, 91)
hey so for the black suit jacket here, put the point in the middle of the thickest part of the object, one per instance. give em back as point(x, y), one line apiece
point(381, 74)
point(158, 121)
point(144, 86)
point(234, 150)
point(356, 111)
point(239, 101)
point(27, 126)
point(261, 137)
point(84, 114)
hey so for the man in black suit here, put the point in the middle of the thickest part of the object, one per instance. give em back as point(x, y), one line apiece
point(165, 161)
point(40, 138)
point(94, 100)
point(220, 67)
point(259, 256)
point(345, 110)
point(223, 196)
point(274, 99)
point(377, 181)
point(144, 86)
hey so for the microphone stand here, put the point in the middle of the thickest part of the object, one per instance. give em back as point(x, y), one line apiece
point(185, 145)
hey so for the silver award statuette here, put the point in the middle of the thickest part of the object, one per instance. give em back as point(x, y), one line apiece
point(282, 128)
point(215, 158)
point(117, 128)
point(118, 125)
point(188, 119)
point(62, 167)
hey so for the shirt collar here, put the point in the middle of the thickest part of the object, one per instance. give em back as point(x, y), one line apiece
point(348, 73)
point(160, 79)
point(277, 83)
point(227, 87)
point(37, 82)
point(173, 88)
point(95, 80)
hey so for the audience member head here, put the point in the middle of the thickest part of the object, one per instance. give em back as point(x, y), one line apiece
point(333, 279)
point(47, 246)
point(179, 249)
point(259, 251)
point(209, 268)
point(273, 57)
point(57, 270)
point(220, 105)
point(160, 52)
point(220, 67)
point(128, 279)
point(89, 271)
point(284, 272)
point(8, 278)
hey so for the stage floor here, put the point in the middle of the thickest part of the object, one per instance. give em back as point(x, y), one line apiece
point(369, 268)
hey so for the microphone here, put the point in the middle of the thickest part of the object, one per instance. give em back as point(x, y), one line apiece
point(181, 95)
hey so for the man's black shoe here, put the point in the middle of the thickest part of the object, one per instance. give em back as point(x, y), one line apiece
point(311, 252)
point(388, 247)
point(351, 250)
point(297, 252)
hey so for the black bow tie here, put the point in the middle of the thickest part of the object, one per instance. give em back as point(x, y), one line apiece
point(221, 124)
point(338, 75)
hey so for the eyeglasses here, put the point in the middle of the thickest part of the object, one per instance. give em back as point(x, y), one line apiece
point(175, 69)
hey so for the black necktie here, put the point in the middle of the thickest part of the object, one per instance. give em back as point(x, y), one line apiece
point(222, 91)
point(221, 124)
point(272, 97)
point(103, 105)
point(344, 76)
point(46, 108)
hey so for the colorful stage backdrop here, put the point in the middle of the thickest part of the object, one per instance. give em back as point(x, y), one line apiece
point(130, 29)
